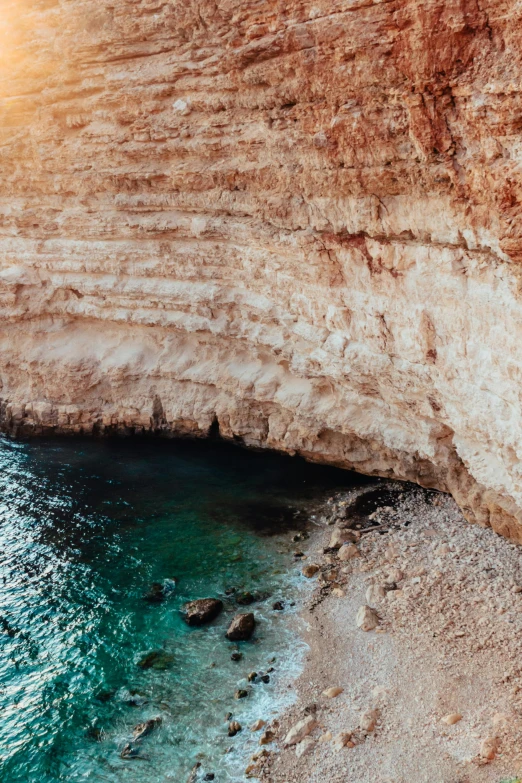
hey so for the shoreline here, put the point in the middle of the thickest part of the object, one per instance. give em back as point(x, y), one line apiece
point(448, 596)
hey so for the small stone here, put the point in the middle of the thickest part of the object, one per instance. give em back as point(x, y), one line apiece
point(258, 725)
point(267, 737)
point(342, 536)
point(375, 594)
point(489, 748)
point(331, 693)
point(236, 656)
point(452, 718)
point(443, 549)
point(301, 730)
point(233, 728)
point(209, 776)
point(310, 570)
point(304, 747)
point(394, 575)
point(326, 737)
point(341, 740)
point(367, 619)
point(241, 628)
point(241, 694)
point(252, 677)
point(348, 552)
point(369, 720)
point(516, 589)
point(264, 678)
point(245, 599)
point(278, 606)
point(338, 592)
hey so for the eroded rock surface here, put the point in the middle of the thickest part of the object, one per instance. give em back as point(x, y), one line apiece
point(298, 223)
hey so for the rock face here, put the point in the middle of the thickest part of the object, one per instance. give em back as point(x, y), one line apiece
point(298, 224)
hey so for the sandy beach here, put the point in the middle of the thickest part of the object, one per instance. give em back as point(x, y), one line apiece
point(432, 694)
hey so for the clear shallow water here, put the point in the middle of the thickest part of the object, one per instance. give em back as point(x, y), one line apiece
point(85, 528)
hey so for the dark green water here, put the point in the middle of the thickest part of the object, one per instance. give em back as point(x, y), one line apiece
point(85, 528)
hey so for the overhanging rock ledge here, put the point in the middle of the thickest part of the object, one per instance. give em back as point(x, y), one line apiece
point(299, 221)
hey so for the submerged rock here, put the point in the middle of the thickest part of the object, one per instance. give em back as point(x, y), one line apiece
point(236, 656)
point(130, 752)
point(143, 729)
point(202, 611)
point(278, 606)
point(241, 628)
point(156, 659)
point(158, 591)
point(105, 696)
point(133, 698)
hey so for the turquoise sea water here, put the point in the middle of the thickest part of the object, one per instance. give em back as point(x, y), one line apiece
point(85, 528)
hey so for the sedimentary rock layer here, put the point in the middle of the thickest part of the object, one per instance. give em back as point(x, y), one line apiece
point(295, 222)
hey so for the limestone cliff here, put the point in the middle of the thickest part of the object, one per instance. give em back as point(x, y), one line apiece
point(297, 221)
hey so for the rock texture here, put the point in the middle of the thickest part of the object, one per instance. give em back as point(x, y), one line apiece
point(298, 223)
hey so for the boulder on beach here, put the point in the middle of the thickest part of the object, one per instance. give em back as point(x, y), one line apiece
point(202, 611)
point(241, 628)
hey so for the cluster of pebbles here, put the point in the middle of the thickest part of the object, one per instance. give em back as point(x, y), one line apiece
point(415, 666)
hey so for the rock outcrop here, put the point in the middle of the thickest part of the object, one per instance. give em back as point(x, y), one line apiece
point(298, 223)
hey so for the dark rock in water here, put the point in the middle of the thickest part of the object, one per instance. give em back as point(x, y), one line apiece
point(230, 590)
point(160, 590)
point(209, 776)
point(94, 733)
point(129, 752)
point(252, 677)
point(105, 696)
point(270, 670)
point(155, 593)
point(228, 716)
point(278, 606)
point(241, 628)
point(144, 729)
point(265, 678)
point(202, 611)
point(233, 728)
point(241, 694)
point(245, 599)
point(236, 656)
point(299, 554)
point(157, 659)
